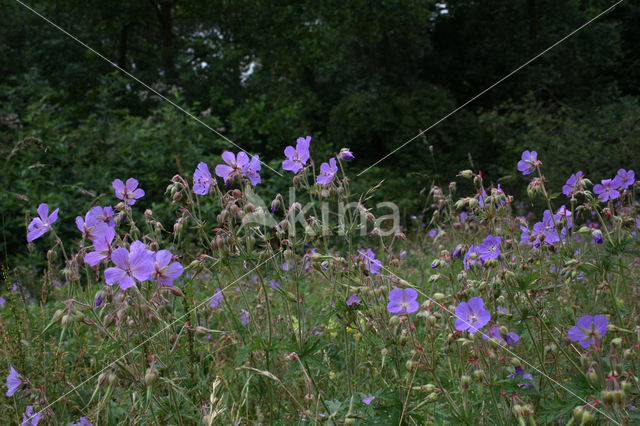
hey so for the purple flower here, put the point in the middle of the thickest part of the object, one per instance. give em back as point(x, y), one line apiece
point(607, 189)
point(327, 172)
point(98, 301)
point(597, 236)
point(234, 167)
point(298, 157)
point(29, 418)
point(565, 213)
point(433, 232)
point(572, 184)
point(403, 253)
point(528, 163)
point(625, 178)
point(40, 225)
point(244, 317)
point(166, 271)
point(83, 422)
point(463, 217)
point(403, 301)
point(102, 247)
point(2, 301)
point(91, 227)
point(457, 253)
point(130, 266)
point(201, 179)
point(216, 300)
point(252, 169)
point(353, 300)
point(128, 193)
point(547, 229)
point(105, 214)
point(501, 309)
point(526, 376)
point(274, 284)
point(588, 330)
point(371, 264)
point(490, 248)
point(469, 259)
point(494, 331)
point(471, 316)
point(13, 381)
point(367, 401)
point(638, 222)
point(345, 154)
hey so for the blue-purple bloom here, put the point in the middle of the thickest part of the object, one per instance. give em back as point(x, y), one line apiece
point(490, 248)
point(102, 247)
point(130, 266)
point(13, 381)
point(354, 299)
point(572, 184)
point(40, 225)
point(217, 298)
point(233, 168)
point(297, 157)
point(607, 189)
point(327, 172)
point(471, 316)
point(165, 271)
point(403, 301)
point(201, 179)
point(345, 154)
point(274, 284)
point(367, 400)
point(529, 162)
point(625, 178)
point(526, 376)
point(588, 330)
point(371, 264)
point(244, 317)
point(471, 258)
point(494, 331)
point(128, 192)
point(252, 169)
point(83, 422)
point(29, 418)
point(91, 226)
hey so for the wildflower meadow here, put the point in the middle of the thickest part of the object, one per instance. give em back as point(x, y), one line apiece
point(251, 309)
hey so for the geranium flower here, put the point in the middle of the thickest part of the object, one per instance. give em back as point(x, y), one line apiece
point(234, 168)
point(625, 178)
point(29, 418)
point(345, 154)
point(165, 271)
point(607, 189)
point(371, 264)
point(471, 316)
point(526, 376)
point(201, 179)
point(327, 172)
point(128, 192)
point(40, 225)
point(588, 330)
point(529, 162)
point(13, 381)
point(298, 157)
point(105, 214)
point(572, 184)
point(102, 248)
point(83, 422)
point(91, 227)
point(130, 266)
point(251, 170)
point(468, 258)
point(216, 300)
point(494, 331)
point(403, 301)
point(354, 299)
point(367, 400)
point(490, 248)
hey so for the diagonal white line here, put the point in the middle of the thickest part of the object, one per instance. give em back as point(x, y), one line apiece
point(518, 357)
point(141, 82)
point(153, 336)
point(490, 87)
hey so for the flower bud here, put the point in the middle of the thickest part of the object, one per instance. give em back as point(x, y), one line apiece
point(57, 315)
point(410, 365)
point(150, 376)
point(616, 342)
point(478, 374)
point(467, 174)
point(66, 320)
point(465, 381)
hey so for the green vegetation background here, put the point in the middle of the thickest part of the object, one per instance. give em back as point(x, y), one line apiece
point(367, 75)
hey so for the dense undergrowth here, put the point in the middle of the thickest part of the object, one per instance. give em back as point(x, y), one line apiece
point(250, 310)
